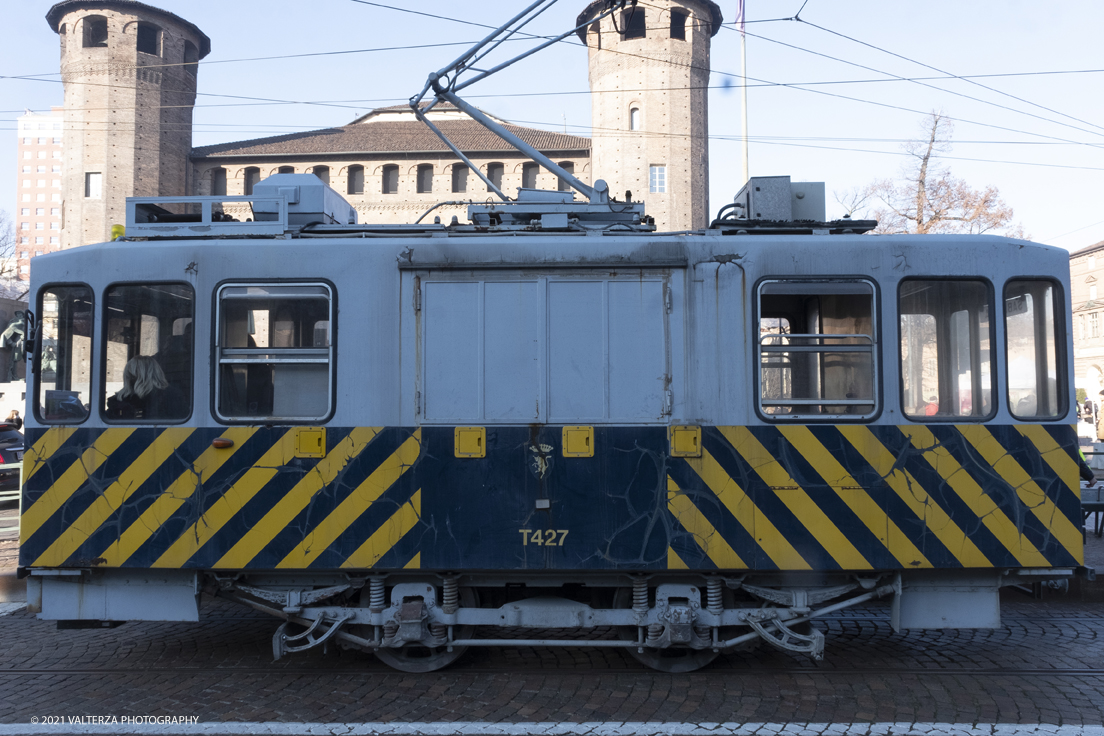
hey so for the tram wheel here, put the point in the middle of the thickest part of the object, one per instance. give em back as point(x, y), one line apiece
point(417, 658)
point(670, 659)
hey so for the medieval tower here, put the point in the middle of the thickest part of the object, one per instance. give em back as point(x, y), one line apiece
point(129, 73)
point(649, 83)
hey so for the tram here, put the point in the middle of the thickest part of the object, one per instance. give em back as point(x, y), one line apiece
point(549, 426)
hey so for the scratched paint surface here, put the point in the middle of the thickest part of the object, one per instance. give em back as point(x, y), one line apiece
point(851, 497)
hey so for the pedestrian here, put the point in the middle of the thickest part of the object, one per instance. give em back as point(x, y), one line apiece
point(1087, 474)
point(14, 420)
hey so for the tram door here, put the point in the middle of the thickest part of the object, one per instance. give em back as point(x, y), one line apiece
point(556, 349)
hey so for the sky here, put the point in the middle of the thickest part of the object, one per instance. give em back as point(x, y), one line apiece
point(833, 95)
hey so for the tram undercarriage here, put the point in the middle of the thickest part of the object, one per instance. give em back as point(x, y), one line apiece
point(420, 623)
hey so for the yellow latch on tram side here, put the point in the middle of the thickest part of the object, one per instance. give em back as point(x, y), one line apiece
point(685, 441)
point(310, 442)
point(470, 441)
point(578, 441)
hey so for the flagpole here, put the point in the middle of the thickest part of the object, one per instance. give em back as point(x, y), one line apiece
point(743, 73)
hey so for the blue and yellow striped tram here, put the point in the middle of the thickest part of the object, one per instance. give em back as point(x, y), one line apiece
point(416, 440)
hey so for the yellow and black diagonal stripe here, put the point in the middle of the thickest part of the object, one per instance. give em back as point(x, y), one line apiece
point(852, 497)
point(862, 497)
point(167, 498)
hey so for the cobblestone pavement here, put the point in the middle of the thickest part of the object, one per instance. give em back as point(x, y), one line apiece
point(1043, 666)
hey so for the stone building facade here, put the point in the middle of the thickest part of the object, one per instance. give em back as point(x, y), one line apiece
point(1087, 297)
point(129, 72)
point(130, 81)
point(391, 167)
point(649, 80)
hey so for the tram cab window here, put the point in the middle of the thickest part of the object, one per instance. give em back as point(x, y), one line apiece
point(64, 356)
point(946, 338)
point(816, 349)
point(148, 353)
point(1035, 386)
point(275, 352)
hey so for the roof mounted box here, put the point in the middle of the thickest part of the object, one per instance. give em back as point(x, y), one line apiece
point(310, 201)
point(777, 198)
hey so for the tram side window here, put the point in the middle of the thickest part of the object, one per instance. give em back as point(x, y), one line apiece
point(148, 350)
point(275, 352)
point(816, 349)
point(65, 354)
point(1035, 387)
point(946, 338)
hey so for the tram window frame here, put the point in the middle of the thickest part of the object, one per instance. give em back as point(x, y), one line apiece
point(227, 356)
point(1062, 403)
point(945, 355)
point(40, 351)
point(187, 391)
point(815, 288)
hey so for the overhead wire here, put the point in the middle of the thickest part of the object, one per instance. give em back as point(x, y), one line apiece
point(933, 68)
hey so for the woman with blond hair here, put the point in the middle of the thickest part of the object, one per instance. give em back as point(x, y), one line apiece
point(146, 393)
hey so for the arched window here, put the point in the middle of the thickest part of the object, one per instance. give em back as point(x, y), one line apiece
point(459, 178)
point(391, 179)
point(632, 24)
point(425, 178)
point(634, 118)
point(191, 58)
point(286, 170)
point(95, 32)
point(494, 173)
point(569, 167)
point(218, 182)
point(529, 176)
point(356, 179)
point(678, 24)
point(149, 39)
point(252, 176)
point(323, 173)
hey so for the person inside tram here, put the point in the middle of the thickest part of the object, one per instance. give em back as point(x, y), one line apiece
point(933, 406)
point(146, 393)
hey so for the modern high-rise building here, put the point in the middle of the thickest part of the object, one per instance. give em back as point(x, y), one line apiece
point(39, 171)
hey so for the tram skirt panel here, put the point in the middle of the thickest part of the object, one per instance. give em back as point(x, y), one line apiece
point(786, 498)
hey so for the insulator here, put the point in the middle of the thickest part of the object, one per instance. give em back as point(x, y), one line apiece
point(640, 595)
point(654, 632)
point(451, 595)
point(438, 630)
point(390, 629)
point(377, 598)
point(716, 601)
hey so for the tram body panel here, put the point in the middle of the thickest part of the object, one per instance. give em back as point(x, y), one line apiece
point(445, 374)
point(799, 498)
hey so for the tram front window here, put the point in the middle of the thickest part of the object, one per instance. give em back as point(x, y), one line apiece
point(1032, 355)
point(816, 349)
point(65, 354)
point(148, 349)
point(946, 334)
point(274, 352)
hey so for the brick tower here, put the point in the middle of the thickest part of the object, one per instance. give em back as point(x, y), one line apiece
point(649, 82)
point(129, 72)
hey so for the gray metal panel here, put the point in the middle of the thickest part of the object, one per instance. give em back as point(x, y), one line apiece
point(123, 595)
point(637, 349)
point(576, 351)
point(453, 364)
point(513, 338)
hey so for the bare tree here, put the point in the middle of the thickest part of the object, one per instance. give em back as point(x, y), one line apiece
point(10, 285)
point(926, 199)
